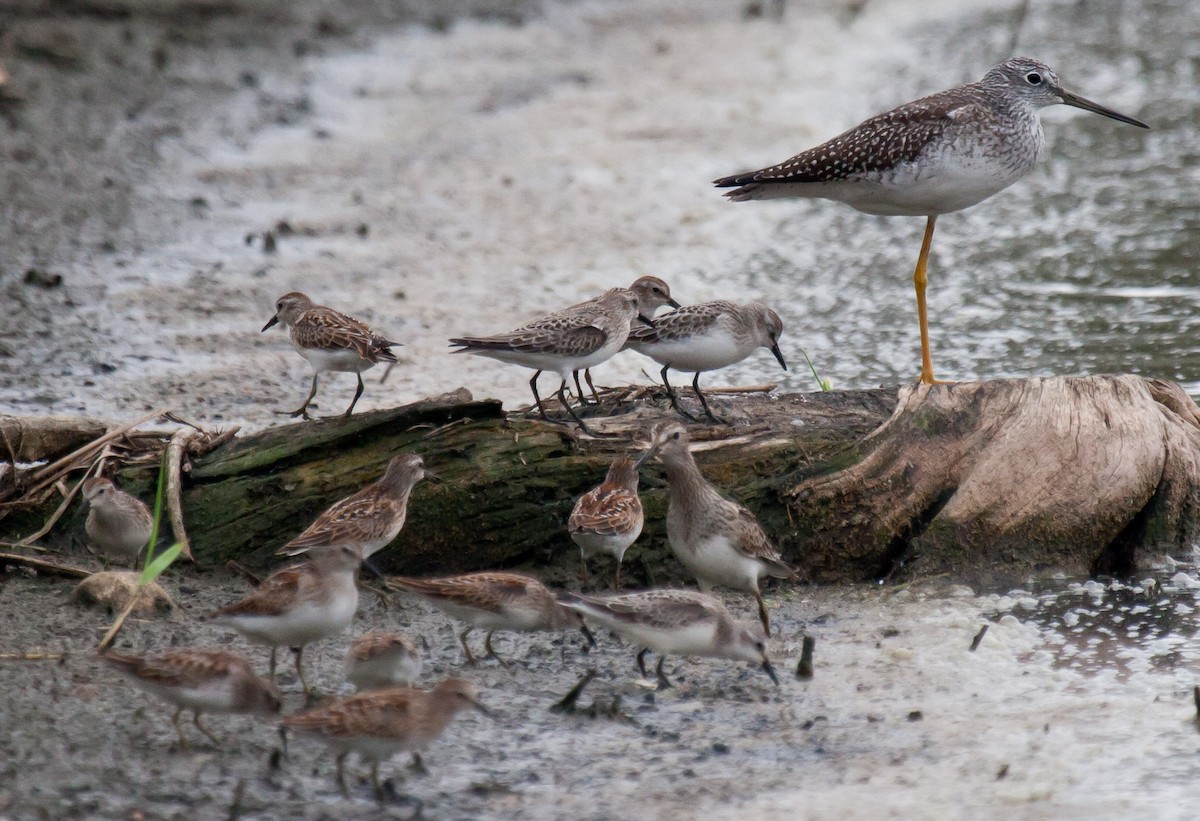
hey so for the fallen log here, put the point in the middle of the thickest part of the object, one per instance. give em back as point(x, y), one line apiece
point(977, 481)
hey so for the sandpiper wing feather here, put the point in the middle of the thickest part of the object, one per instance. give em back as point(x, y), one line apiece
point(665, 609)
point(681, 323)
point(752, 540)
point(483, 591)
point(271, 598)
point(180, 668)
point(322, 327)
point(349, 521)
point(371, 644)
point(572, 333)
point(605, 510)
point(357, 715)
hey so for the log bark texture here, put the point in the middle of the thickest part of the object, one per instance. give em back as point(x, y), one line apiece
point(1067, 473)
point(977, 481)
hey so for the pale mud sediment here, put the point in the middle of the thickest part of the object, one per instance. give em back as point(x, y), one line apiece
point(1043, 720)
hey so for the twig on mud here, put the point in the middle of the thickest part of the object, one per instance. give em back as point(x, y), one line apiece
point(733, 390)
point(119, 622)
point(32, 655)
point(438, 431)
point(175, 450)
point(202, 447)
point(978, 638)
point(241, 570)
point(44, 565)
point(66, 502)
point(804, 670)
point(49, 474)
point(24, 546)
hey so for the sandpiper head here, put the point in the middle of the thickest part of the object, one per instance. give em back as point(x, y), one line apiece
point(652, 293)
point(1035, 84)
point(456, 694)
point(336, 558)
point(750, 644)
point(260, 696)
point(408, 468)
point(98, 490)
point(627, 301)
point(623, 472)
point(770, 329)
point(666, 439)
point(288, 308)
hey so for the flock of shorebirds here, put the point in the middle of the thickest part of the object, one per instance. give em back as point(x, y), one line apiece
point(935, 155)
point(719, 541)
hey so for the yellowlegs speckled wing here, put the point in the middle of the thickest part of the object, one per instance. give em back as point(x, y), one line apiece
point(935, 155)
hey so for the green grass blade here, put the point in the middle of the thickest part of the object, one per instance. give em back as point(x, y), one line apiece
point(161, 562)
point(824, 384)
point(158, 503)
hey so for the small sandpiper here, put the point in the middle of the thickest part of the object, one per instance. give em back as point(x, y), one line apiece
point(608, 518)
point(718, 540)
point(652, 294)
point(380, 659)
point(378, 724)
point(569, 340)
point(494, 601)
point(369, 520)
point(330, 341)
point(932, 156)
point(203, 681)
point(299, 605)
point(679, 622)
point(117, 523)
point(706, 337)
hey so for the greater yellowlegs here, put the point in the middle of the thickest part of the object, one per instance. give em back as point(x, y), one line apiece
point(933, 156)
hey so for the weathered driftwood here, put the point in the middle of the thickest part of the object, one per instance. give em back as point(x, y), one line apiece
point(975, 481)
point(1076, 474)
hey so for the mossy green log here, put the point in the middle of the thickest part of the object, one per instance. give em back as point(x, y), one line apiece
point(976, 482)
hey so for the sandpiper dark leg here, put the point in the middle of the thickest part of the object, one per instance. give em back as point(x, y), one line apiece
point(663, 682)
point(303, 409)
point(487, 645)
point(562, 397)
point(641, 660)
point(762, 613)
point(354, 401)
point(579, 388)
point(537, 399)
point(674, 399)
point(704, 404)
point(587, 375)
point(341, 774)
point(183, 742)
point(203, 729)
point(462, 639)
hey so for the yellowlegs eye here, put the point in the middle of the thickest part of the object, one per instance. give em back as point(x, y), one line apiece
point(1033, 78)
